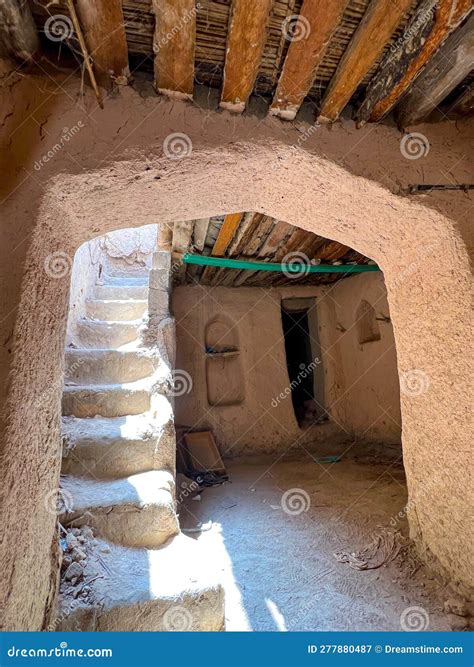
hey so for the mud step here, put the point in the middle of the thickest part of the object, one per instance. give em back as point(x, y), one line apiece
point(110, 400)
point(105, 334)
point(115, 447)
point(136, 511)
point(85, 366)
point(121, 292)
point(136, 279)
point(116, 309)
point(172, 588)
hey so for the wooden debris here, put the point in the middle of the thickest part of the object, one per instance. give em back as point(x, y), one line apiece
point(85, 53)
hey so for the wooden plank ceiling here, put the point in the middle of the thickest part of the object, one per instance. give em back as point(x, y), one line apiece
point(256, 237)
point(357, 56)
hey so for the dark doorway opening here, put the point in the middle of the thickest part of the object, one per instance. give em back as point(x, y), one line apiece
point(299, 359)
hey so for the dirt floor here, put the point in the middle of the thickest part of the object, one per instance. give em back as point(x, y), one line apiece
point(277, 527)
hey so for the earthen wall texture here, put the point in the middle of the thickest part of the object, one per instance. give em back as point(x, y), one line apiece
point(116, 171)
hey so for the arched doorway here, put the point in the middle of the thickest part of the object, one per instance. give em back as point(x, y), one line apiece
point(426, 292)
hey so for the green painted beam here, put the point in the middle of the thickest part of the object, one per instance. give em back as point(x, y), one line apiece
point(296, 267)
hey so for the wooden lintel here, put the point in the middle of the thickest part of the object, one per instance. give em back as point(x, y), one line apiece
point(174, 44)
point(104, 32)
point(426, 31)
point(247, 36)
point(318, 21)
point(378, 23)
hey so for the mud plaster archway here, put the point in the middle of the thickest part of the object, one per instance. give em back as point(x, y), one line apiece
point(427, 277)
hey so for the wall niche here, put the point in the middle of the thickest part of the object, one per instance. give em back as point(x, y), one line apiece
point(368, 329)
point(224, 377)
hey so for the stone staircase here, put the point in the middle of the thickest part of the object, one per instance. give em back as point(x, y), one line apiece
point(126, 566)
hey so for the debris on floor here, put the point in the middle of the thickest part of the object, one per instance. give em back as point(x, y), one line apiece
point(74, 544)
point(199, 458)
point(384, 547)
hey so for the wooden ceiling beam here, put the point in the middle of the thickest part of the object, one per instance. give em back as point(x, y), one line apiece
point(451, 64)
point(332, 251)
point(318, 21)
point(424, 34)
point(104, 32)
point(222, 242)
point(174, 44)
point(245, 43)
point(375, 29)
point(226, 233)
point(18, 34)
point(247, 227)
